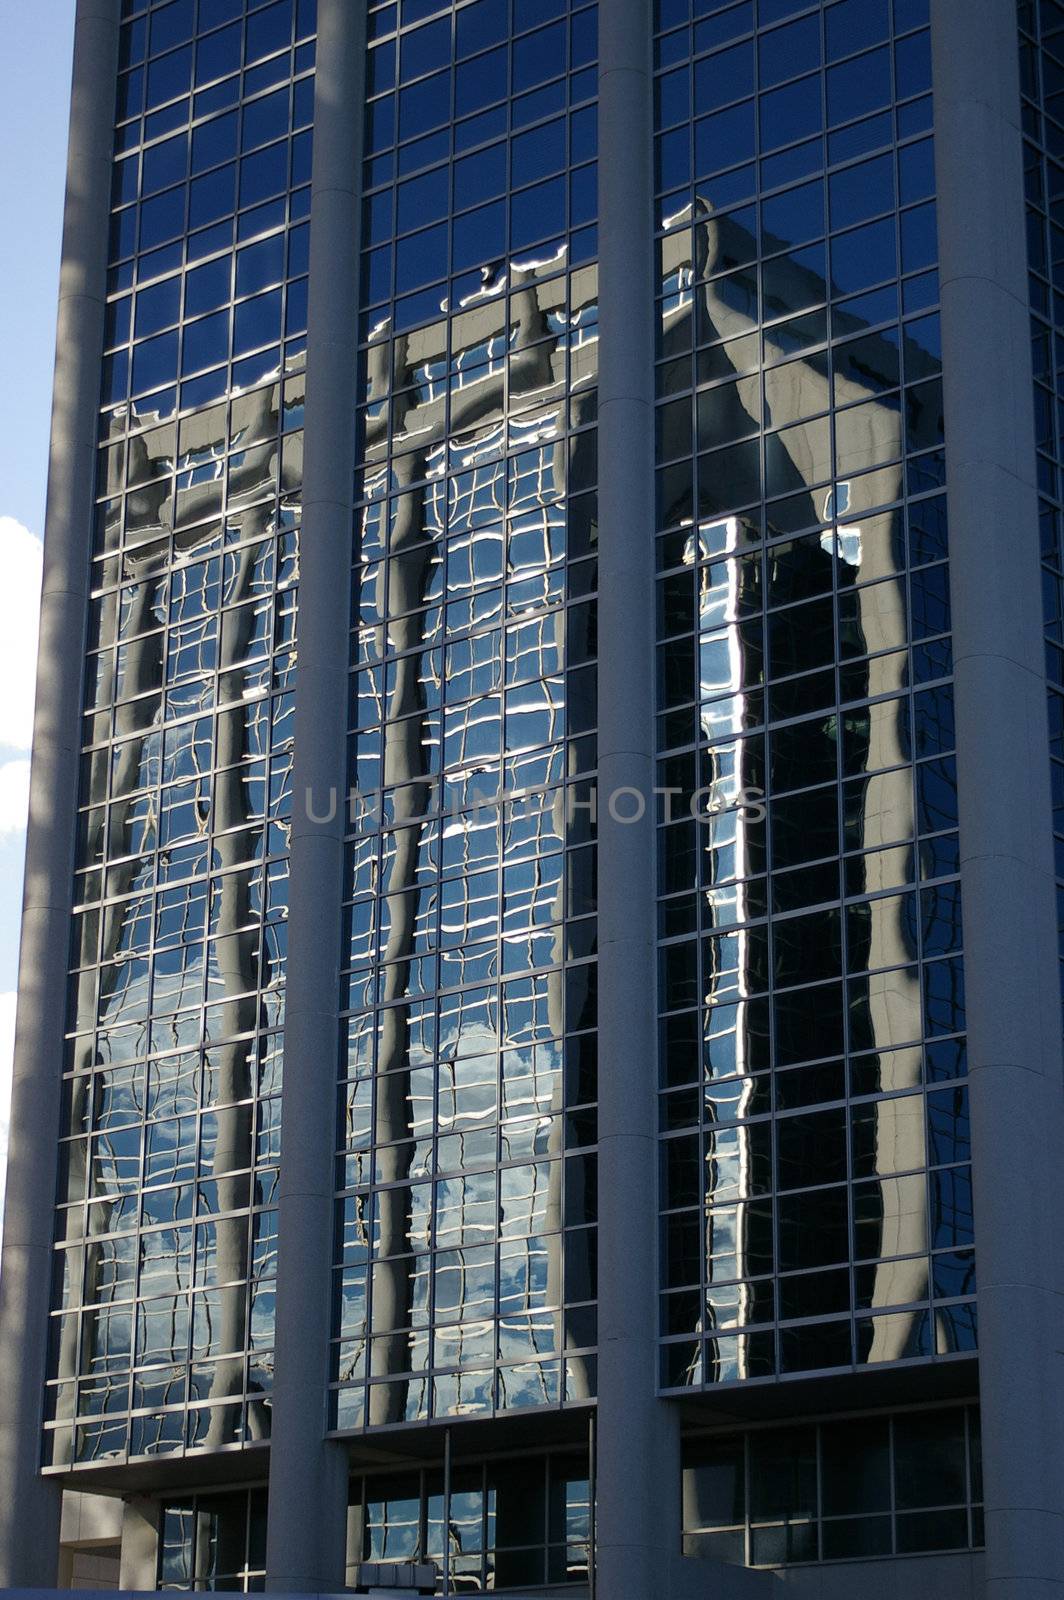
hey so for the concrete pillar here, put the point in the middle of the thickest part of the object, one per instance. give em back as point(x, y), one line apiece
point(308, 1477)
point(1010, 936)
point(637, 1521)
point(29, 1504)
point(139, 1568)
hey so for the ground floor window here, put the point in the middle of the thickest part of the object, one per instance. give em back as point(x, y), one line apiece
point(214, 1541)
point(835, 1491)
point(511, 1523)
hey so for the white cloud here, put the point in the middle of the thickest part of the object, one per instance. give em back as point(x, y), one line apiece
point(7, 1048)
point(14, 796)
point(20, 553)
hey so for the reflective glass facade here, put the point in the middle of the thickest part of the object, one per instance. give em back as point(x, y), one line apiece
point(789, 1213)
point(837, 1490)
point(466, 1227)
point(814, 1154)
point(510, 1522)
point(214, 1541)
point(162, 1330)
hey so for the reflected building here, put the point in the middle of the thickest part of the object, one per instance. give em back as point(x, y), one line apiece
point(473, 679)
point(802, 700)
point(178, 998)
point(507, 1096)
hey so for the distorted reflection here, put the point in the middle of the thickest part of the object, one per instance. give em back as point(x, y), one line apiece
point(474, 680)
point(514, 1522)
point(798, 650)
point(179, 988)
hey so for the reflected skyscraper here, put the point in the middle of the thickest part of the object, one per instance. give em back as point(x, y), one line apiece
point(539, 1064)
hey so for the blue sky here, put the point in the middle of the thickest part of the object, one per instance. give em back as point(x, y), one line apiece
point(34, 89)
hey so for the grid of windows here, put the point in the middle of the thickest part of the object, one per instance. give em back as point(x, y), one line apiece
point(1041, 67)
point(815, 1176)
point(835, 1491)
point(208, 158)
point(480, 146)
point(163, 1308)
point(511, 1523)
point(214, 1541)
point(465, 1232)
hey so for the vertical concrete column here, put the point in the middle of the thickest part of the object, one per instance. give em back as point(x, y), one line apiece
point(308, 1477)
point(30, 1505)
point(139, 1565)
point(637, 1521)
point(1010, 936)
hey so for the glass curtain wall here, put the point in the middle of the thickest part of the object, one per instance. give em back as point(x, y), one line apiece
point(466, 1211)
point(838, 1490)
point(214, 1541)
point(815, 1185)
point(510, 1522)
point(163, 1310)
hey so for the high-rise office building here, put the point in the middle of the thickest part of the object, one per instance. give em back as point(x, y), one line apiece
point(539, 1064)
